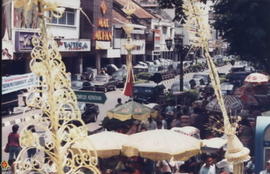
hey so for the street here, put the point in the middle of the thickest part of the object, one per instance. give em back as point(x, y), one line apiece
point(111, 101)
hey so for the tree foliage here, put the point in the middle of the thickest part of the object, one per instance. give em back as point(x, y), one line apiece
point(177, 5)
point(245, 25)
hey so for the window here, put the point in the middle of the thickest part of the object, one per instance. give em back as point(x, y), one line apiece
point(68, 18)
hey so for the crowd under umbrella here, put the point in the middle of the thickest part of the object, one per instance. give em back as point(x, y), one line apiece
point(232, 104)
point(161, 144)
point(131, 110)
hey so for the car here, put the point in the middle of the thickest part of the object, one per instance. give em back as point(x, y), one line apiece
point(120, 77)
point(237, 69)
point(176, 86)
point(237, 78)
point(147, 92)
point(89, 112)
point(201, 78)
point(227, 88)
point(111, 68)
point(104, 83)
point(89, 74)
point(82, 85)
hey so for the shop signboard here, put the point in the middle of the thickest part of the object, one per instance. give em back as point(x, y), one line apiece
point(18, 82)
point(90, 97)
point(24, 41)
point(139, 48)
point(70, 45)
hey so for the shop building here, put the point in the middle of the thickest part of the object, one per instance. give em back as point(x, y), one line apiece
point(66, 31)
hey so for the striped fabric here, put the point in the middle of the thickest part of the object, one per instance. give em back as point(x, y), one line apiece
point(232, 104)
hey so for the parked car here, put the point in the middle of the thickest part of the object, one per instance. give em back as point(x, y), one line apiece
point(120, 77)
point(176, 86)
point(227, 88)
point(237, 78)
point(82, 85)
point(140, 68)
point(201, 78)
point(111, 68)
point(147, 92)
point(219, 61)
point(89, 112)
point(104, 83)
point(89, 74)
point(237, 69)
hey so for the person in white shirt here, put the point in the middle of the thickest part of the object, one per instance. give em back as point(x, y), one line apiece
point(267, 168)
point(208, 167)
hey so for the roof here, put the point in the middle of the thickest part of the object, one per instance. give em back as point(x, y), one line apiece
point(140, 11)
point(160, 13)
point(118, 18)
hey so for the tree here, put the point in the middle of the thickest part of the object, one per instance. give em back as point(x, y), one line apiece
point(245, 25)
point(177, 5)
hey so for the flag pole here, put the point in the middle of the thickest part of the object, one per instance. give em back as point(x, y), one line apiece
point(129, 46)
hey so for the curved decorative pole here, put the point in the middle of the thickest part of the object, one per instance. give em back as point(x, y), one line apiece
point(128, 28)
point(57, 102)
point(197, 16)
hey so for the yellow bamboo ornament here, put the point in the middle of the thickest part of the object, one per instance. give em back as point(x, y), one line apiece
point(196, 13)
point(58, 109)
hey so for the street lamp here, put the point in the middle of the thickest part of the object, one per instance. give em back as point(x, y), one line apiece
point(178, 46)
point(169, 44)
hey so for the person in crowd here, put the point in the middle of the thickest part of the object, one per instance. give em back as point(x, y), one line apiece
point(224, 166)
point(185, 120)
point(151, 124)
point(119, 102)
point(161, 122)
point(267, 168)
point(14, 144)
point(208, 167)
point(169, 112)
point(164, 167)
point(133, 129)
point(31, 152)
point(176, 122)
point(250, 166)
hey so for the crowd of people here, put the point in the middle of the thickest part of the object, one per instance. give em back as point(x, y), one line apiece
point(208, 123)
point(169, 116)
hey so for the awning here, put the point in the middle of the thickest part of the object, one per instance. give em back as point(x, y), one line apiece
point(140, 12)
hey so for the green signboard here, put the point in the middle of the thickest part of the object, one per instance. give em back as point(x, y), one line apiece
point(91, 97)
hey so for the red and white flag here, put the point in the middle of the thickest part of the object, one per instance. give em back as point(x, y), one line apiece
point(128, 89)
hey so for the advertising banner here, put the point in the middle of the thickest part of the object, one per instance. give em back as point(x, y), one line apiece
point(18, 82)
point(70, 45)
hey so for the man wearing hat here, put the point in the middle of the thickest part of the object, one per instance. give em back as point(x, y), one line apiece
point(267, 170)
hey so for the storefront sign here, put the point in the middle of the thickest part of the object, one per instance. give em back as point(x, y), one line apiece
point(103, 45)
point(103, 32)
point(113, 53)
point(24, 41)
point(18, 82)
point(7, 50)
point(138, 50)
point(69, 45)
